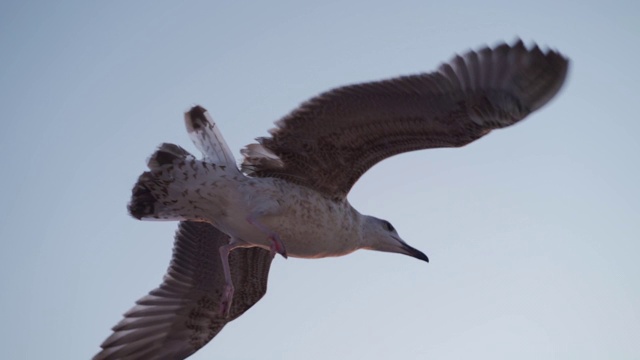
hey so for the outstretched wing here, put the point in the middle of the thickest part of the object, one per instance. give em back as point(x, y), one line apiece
point(183, 314)
point(331, 140)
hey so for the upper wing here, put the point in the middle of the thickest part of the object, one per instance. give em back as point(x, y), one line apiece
point(331, 140)
point(183, 314)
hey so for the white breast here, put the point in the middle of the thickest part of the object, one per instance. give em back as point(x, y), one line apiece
point(309, 224)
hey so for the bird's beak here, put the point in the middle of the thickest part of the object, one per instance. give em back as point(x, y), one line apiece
point(408, 250)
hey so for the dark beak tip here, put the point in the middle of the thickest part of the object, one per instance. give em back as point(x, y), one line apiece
point(413, 252)
point(418, 254)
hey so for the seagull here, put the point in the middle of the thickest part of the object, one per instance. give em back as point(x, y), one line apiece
point(289, 195)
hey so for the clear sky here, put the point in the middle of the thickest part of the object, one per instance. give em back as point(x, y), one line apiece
point(533, 232)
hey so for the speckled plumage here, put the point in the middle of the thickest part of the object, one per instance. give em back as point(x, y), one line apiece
point(329, 141)
point(290, 194)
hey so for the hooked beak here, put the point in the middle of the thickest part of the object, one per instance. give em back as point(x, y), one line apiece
point(408, 250)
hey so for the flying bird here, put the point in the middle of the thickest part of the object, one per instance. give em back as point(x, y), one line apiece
point(289, 196)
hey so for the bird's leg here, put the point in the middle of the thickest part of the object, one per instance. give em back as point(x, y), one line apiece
point(277, 246)
point(227, 292)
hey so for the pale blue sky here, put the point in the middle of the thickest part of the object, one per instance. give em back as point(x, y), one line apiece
point(533, 232)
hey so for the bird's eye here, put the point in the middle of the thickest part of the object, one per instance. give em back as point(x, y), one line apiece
point(388, 226)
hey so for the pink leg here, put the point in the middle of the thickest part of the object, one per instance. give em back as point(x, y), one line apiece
point(227, 292)
point(277, 246)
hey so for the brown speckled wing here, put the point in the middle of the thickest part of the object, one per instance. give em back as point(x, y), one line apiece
point(182, 314)
point(331, 140)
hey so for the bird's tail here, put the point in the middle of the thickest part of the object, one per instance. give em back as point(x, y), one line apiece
point(163, 193)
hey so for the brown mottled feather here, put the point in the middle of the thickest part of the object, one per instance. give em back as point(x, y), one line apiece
point(332, 139)
point(183, 313)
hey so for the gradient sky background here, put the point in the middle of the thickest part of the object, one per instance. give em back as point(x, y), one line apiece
point(533, 231)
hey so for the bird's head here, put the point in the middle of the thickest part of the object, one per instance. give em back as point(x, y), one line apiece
point(380, 235)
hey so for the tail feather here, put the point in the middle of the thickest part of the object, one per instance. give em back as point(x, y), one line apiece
point(142, 202)
point(168, 154)
point(154, 196)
